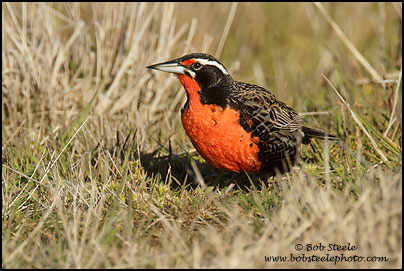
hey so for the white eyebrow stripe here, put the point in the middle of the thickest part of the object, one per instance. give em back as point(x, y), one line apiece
point(211, 62)
point(193, 74)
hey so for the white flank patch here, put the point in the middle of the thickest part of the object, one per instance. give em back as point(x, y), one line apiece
point(211, 62)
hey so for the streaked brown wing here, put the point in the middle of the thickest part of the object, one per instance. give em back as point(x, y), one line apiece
point(277, 126)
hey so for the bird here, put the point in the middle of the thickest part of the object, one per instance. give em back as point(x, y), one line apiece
point(237, 126)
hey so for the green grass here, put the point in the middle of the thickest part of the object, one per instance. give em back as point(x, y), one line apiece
point(97, 171)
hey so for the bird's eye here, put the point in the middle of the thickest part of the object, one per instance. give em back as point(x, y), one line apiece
point(196, 65)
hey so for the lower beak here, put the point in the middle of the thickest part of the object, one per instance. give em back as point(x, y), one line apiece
point(169, 66)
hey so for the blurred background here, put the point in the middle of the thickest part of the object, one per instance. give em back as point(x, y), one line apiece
point(72, 52)
point(92, 141)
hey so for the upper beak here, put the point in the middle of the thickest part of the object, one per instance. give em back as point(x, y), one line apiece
point(172, 66)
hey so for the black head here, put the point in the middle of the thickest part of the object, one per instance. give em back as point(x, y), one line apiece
point(205, 69)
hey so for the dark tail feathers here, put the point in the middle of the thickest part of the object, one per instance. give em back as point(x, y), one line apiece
point(310, 133)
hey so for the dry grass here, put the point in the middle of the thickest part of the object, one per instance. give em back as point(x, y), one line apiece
point(97, 171)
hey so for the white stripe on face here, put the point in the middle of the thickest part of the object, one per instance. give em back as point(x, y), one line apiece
point(191, 73)
point(211, 62)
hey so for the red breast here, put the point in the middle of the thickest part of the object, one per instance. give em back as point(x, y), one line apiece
point(217, 134)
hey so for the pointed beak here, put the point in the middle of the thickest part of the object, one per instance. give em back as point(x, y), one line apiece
point(172, 66)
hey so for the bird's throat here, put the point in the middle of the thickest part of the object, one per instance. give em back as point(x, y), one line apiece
point(191, 86)
point(198, 94)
